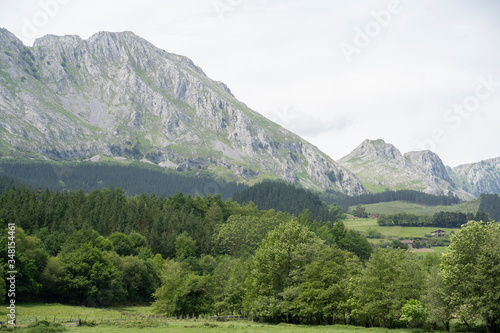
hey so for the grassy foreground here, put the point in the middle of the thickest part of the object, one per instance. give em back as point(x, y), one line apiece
point(243, 327)
point(50, 311)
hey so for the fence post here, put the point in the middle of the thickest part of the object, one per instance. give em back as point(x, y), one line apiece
point(35, 320)
point(79, 322)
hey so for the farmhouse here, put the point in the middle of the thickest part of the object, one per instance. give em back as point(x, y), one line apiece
point(438, 232)
point(408, 242)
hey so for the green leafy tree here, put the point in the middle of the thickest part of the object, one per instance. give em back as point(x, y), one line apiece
point(90, 278)
point(228, 285)
point(172, 276)
point(360, 211)
point(122, 244)
point(279, 264)
point(185, 246)
point(137, 279)
point(323, 294)
point(470, 270)
point(356, 243)
point(244, 234)
point(182, 292)
point(414, 312)
point(194, 296)
point(436, 300)
point(52, 280)
point(391, 278)
point(138, 241)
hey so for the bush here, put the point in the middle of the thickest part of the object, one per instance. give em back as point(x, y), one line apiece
point(44, 326)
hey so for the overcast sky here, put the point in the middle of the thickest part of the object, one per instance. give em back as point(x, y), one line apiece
point(419, 74)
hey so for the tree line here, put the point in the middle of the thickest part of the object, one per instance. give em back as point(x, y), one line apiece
point(440, 219)
point(286, 197)
point(490, 203)
point(411, 196)
point(134, 178)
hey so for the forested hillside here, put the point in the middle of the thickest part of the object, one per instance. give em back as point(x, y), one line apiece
point(410, 196)
point(490, 203)
point(282, 196)
point(133, 178)
point(72, 246)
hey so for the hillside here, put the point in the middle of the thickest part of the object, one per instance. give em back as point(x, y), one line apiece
point(134, 178)
point(117, 95)
point(284, 197)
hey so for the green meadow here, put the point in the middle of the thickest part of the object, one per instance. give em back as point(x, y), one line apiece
point(401, 206)
point(363, 225)
point(102, 317)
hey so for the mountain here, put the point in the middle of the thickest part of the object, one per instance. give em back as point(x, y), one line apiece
point(116, 95)
point(380, 166)
point(477, 178)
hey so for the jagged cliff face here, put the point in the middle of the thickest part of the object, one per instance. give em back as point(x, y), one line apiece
point(477, 178)
point(117, 95)
point(380, 166)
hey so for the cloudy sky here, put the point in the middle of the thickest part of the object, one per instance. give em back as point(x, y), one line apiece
point(419, 74)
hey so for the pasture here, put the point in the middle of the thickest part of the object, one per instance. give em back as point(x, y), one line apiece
point(169, 325)
point(401, 206)
point(363, 225)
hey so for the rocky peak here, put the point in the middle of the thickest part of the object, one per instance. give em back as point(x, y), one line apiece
point(428, 163)
point(375, 150)
point(380, 165)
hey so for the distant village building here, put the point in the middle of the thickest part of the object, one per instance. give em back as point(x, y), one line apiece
point(438, 232)
point(408, 242)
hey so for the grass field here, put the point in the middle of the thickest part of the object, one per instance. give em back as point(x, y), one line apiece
point(401, 206)
point(60, 310)
point(174, 326)
point(363, 225)
point(243, 327)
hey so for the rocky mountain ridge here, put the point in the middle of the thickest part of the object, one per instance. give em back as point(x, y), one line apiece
point(380, 165)
point(478, 178)
point(116, 95)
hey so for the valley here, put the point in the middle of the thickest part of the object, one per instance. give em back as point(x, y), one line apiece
point(131, 183)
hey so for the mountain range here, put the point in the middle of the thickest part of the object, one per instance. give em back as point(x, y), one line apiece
point(116, 96)
point(381, 166)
